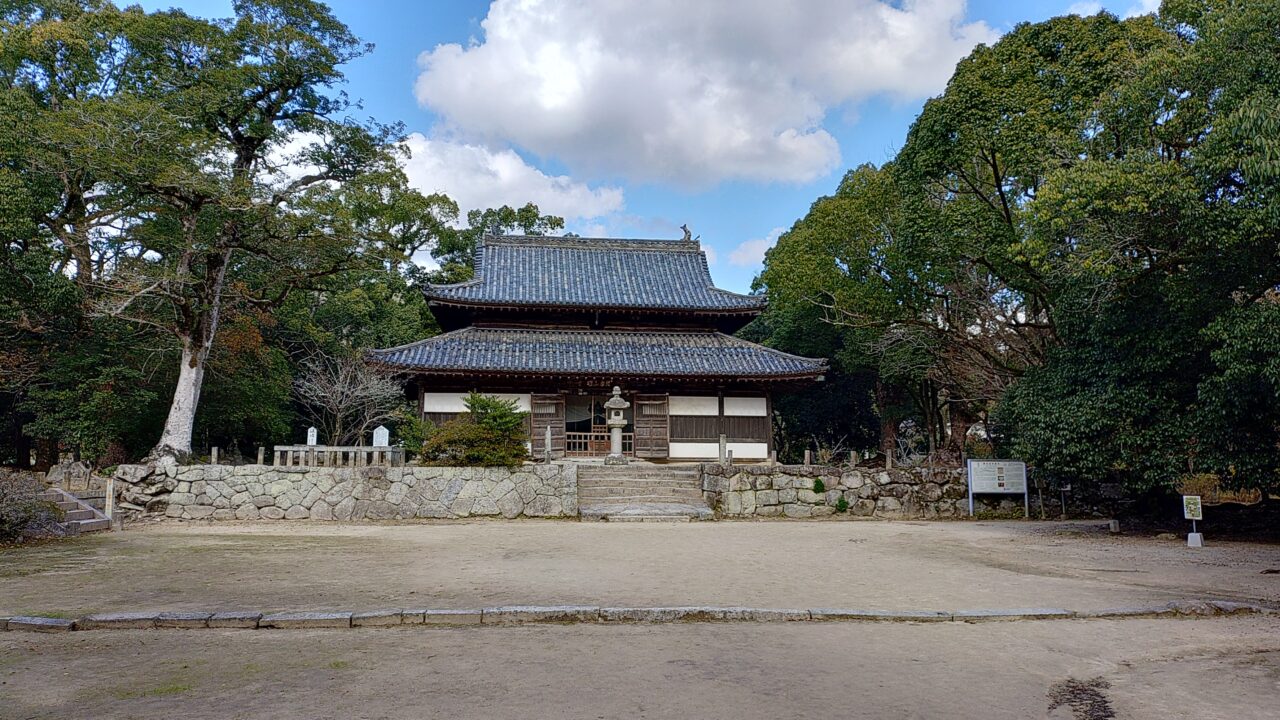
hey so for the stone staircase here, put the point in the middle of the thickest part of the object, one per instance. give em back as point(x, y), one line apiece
point(79, 516)
point(641, 492)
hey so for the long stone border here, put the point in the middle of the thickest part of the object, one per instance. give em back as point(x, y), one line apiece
point(563, 614)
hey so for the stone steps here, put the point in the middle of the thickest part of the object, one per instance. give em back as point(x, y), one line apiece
point(646, 512)
point(641, 499)
point(641, 493)
point(78, 516)
point(656, 495)
point(639, 484)
point(689, 479)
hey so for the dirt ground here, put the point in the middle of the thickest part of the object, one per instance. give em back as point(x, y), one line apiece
point(868, 565)
point(1225, 668)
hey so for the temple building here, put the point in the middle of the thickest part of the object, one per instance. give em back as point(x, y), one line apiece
point(555, 323)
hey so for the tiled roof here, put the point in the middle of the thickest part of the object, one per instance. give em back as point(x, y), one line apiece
point(593, 272)
point(593, 352)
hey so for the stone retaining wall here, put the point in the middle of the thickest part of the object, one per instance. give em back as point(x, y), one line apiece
point(267, 492)
point(788, 491)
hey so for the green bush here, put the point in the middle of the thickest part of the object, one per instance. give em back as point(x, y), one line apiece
point(411, 429)
point(491, 434)
point(22, 513)
point(842, 505)
point(819, 486)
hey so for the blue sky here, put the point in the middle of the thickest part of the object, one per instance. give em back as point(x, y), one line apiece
point(631, 118)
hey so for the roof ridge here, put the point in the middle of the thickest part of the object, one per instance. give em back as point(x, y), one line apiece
point(669, 353)
point(594, 243)
point(459, 331)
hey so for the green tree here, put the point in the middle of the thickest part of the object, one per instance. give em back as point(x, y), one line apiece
point(491, 434)
point(456, 251)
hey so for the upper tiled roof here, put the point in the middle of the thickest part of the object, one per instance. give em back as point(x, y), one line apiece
point(593, 272)
point(595, 352)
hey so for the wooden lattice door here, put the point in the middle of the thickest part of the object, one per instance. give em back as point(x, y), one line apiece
point(547, 411)
point(651, 426)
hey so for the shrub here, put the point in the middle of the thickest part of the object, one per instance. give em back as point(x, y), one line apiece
point(22, 513)
point(842, 505)
point(491, 434)
point(819, 486)
point(411, 429)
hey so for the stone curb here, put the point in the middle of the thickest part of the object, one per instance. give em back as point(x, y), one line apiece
point(578, 614)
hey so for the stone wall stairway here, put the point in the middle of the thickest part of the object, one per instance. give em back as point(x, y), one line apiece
point(79, 516)
point(641, 492)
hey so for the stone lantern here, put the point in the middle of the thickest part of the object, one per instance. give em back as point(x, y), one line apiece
point(616, 420)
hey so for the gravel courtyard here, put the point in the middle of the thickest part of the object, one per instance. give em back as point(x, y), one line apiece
point(1217, 667)
point(871, 565)
point(1225, 668)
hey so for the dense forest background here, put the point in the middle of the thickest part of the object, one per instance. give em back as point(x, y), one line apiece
point(1074, 259)
point(1074, 252)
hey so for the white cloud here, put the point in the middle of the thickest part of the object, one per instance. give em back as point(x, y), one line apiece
point(689, 92)
point(476, 177)
point(751, 253)
point(1084, 9)
point(711, 254)
point(1142, 7)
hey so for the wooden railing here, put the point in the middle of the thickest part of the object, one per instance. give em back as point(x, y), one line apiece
point(594, 444)
point(336, 456)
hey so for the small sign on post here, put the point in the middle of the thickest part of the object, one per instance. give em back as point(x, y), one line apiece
point(1193, 510)
point(381, 436)
point(999, 477)
point(311, 436)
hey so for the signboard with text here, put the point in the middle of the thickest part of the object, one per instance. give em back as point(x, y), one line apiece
point(998, 477)
point(1192, 508)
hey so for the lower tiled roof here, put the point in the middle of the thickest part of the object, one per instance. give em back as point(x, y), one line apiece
point(592, 352)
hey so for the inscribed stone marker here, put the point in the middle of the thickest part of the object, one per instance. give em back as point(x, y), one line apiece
point(381, 437)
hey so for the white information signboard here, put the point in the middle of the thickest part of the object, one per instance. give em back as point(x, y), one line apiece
point(998, 477)
point(311, 436)
point(381, 437)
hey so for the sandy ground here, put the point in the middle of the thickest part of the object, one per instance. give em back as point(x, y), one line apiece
point(1221, 668)
point(873, 565)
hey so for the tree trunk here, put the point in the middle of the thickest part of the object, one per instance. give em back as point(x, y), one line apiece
point(196, 336)
point(175, 441)
point(888, 424)
point(46, 454)
point(961, 421)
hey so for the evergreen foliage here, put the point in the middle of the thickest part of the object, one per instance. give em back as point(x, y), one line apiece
point(491, 434)
point(187, 208)
point(1079, 243)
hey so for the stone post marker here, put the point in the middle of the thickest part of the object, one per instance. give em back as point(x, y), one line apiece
point(616, 421)
point(381, 436)
point(724, 448)
point(546, 444)
point(311, 436)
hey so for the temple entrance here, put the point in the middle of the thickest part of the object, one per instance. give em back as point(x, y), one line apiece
point(585, 431)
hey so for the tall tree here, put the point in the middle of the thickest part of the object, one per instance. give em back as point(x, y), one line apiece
point(244, 159)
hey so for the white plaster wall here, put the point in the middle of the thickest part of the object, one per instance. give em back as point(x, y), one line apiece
point(711, 451)
point(457, 402)
point(745, 407)
point(678, 405)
